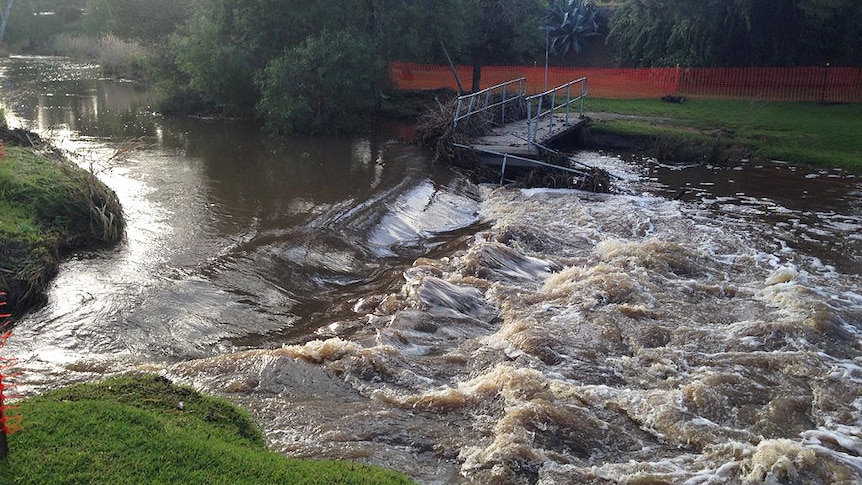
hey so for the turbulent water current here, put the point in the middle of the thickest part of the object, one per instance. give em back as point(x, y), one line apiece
point(702, 326)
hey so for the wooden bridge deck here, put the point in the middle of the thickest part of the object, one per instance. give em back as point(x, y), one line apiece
point(512, 139)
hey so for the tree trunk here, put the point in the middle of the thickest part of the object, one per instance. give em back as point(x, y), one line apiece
point(5, 18)
point(477, 73)
point(375, 32)
point(377, 93)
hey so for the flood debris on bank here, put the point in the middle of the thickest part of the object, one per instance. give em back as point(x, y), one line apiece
point(50, 207)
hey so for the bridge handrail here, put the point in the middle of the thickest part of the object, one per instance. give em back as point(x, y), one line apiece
point(533, 120)
point(472, 106)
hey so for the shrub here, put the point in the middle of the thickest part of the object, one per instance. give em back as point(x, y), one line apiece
point(321, 85)
point(218, 67)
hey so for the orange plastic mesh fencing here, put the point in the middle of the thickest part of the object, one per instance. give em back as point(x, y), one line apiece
point(821, 84)
point(8, 424)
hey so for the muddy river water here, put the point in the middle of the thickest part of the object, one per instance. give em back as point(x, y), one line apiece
point(703, 327)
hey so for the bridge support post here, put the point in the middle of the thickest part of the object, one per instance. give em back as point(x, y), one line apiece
point(503, 168)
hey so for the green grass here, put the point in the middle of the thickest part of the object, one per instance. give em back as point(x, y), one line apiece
point(48, 207)
point(794, 132)
point(130, 431)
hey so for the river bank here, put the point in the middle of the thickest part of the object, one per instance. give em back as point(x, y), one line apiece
point(50, 207)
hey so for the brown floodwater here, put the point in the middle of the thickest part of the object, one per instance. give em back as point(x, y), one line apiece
point(703, 326)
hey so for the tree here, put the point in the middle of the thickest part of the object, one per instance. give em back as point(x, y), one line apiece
point(231, 50)
point(413, 30)
point(32, 24)
point(320, 85)
point(228, 43)
point(150, 21)
point(236, 55)
point(216, 63)
point(503, 29)
point(27, 25)
point(737, 32)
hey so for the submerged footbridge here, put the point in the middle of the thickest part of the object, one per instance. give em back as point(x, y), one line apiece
point(505, 127)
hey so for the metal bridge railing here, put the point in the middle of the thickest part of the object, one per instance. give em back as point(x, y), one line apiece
point(537, 101)
point(482, 101)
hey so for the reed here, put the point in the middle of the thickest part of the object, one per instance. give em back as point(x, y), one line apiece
point(117, 57)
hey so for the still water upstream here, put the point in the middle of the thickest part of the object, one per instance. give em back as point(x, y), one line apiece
point(703, 328)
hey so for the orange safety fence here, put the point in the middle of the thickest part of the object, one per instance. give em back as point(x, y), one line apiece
point(821, 84)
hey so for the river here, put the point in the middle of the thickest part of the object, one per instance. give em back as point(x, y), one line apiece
point(703, 327)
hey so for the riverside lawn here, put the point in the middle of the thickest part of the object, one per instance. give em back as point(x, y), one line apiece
point(811, 133)
point(131, 430)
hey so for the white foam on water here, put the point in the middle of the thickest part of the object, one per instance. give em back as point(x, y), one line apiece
point(597, 339)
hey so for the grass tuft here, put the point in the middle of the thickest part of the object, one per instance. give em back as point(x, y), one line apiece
point(48, 207)
point(130, 430)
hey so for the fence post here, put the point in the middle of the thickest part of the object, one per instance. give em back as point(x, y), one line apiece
point(503, 108)
point(583, 95)
point(825, 81)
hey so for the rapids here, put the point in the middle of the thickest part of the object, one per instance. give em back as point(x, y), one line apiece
point(582, 339)
point(704, 327)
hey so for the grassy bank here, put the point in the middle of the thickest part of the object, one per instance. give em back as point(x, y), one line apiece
point(131, 430)
point(48, 207)
point(794, 132)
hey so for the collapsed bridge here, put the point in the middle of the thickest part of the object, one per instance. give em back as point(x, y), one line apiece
point(502, 127)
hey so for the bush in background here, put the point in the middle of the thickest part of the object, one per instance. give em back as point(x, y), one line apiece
point(320, 85)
